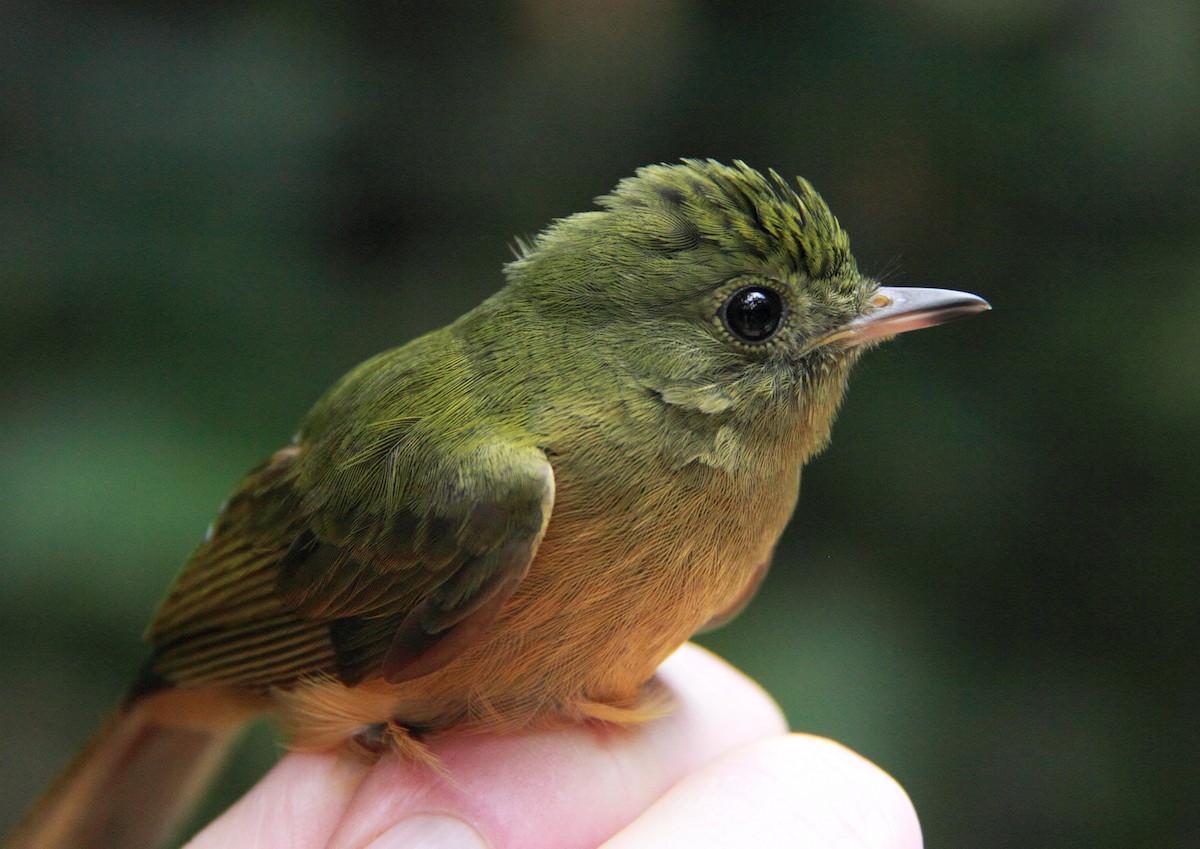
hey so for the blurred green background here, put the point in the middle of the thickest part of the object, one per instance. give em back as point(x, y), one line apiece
point(208, 211)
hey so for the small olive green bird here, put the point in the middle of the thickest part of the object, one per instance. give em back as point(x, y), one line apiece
point(510, 522)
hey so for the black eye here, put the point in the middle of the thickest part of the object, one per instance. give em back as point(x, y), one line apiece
point(752, 313)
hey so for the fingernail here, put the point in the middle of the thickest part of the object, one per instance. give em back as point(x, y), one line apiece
point(429, 831)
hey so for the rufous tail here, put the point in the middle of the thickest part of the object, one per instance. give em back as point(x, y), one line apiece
point(129, 788)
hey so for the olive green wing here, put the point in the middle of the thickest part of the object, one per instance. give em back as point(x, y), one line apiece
point(307, 574)
point(223, 622)
point(409, 588)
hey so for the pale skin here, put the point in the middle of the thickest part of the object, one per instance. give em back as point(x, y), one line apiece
point(719, 771)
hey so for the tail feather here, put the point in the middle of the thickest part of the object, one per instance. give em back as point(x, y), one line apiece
point(129, 788)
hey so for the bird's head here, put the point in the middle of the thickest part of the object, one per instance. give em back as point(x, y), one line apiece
point(722, 290)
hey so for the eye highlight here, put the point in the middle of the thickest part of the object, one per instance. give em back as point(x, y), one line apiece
point(753, 314)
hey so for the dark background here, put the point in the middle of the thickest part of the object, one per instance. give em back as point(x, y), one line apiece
point(210, 211)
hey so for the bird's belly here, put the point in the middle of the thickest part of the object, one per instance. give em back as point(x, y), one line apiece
point(604, 603)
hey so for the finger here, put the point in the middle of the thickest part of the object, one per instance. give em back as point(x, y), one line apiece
point(573, 787)
point(298, 804)
point(795, 790)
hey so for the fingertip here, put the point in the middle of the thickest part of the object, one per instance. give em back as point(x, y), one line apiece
point(793, 790)
point(707, 685)
point(882, 812)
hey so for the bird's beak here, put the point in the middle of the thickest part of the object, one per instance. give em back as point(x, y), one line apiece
point(900, 309)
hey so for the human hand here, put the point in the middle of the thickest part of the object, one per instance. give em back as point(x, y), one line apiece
point(719, 771)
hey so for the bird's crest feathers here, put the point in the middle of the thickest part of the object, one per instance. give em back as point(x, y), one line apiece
point(733, 208)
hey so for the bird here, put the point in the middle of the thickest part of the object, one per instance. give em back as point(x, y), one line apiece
point(510, 522)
